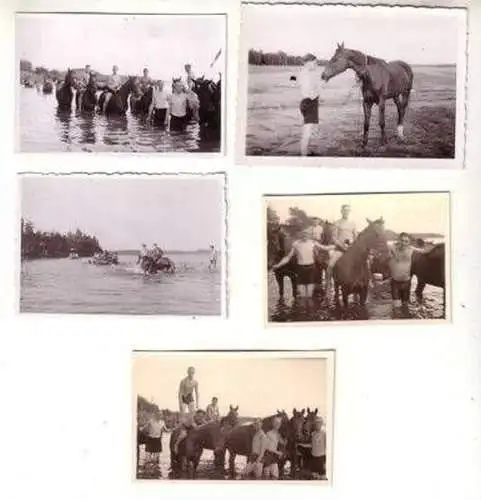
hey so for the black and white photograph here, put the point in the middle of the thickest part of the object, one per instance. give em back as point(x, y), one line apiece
point(350, 81)
point(122, 244)
point(346, 257)
point(233, 415)
point(120, 83)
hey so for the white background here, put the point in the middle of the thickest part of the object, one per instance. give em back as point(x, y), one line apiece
point(407, 418)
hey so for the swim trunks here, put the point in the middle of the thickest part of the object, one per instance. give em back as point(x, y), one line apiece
point(306, 274)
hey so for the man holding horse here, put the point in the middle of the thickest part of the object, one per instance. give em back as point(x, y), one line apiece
point(255, 463)
point(272, 453)
point(113, 85)
point(304, 250)
point(310, 82)
point(400, 262)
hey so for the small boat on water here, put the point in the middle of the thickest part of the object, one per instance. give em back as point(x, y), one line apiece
point(73, 255)
point(105, 259)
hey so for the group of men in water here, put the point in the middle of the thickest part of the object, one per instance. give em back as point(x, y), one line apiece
point(156, 253)
point(345, 232)
point(168, 108)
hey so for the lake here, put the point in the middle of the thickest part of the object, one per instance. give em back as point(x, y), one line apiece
point(274, 120)
point(44, 129)
point(75, 286)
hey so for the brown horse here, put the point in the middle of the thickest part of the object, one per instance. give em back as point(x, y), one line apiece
point(351, 272)
point(279, 244)
point(380, 81)
point(210, 436)
point(429, 268)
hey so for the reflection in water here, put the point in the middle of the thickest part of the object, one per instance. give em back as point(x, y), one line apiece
point(64, 119)
point(43, 128)
point(379, 306)
point(87, 128)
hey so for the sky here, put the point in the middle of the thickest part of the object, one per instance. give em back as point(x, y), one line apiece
point(162, 43)
point(259, 384)
point(177, 213)
point(416, 36)
point(411, 212)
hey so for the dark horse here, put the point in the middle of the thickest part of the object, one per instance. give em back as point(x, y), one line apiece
point(140, 102)
point(209, 94)
point(429, 268)
point(279, 244)
point(118, 103)
point(64, 93)
point(89, 98)
point(380, 81)
point(210, 436)
point(152, 266)
point(351, 272)
point(239, 440)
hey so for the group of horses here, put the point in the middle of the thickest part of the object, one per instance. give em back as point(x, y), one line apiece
point(229, 435)
point(352, 273)
point(207, 91)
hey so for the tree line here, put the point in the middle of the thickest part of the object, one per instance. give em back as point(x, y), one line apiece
point(279, 58)
point(37, 244)
point(147, 410)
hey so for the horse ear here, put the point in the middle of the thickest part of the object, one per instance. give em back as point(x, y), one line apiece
point(308, 410)
point(316, 411)
point(294, 410)
point(369, 221)
point(381, 219)
point(230, 407)
point(342, 44)
point(303, 411)
point(237, 408)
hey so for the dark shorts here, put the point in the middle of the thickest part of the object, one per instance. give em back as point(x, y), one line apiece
point(178, 123)
point(306, 274)
point(310, 110)
point(187, 398)
point(158, 116)
point(153, 445)
point(252, 458)
point(318, 465)
point(401, 290)
point(270, 458)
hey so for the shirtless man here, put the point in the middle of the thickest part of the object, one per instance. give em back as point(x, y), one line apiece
point(304, 249)
point(400, 263)
point(345, 232)
point(113, 85)
point(157, 252)
point(310, 83)
point(83, 80)
point(187, 389)
point(145, 81)
point(255, 460)
point(212, 411)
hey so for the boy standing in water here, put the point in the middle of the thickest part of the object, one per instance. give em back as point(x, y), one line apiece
point(310, 82)
point(113, 85)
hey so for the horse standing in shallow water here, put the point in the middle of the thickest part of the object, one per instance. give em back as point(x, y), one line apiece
point(210, 436)
point(351, 272)
point(64, 93)
point(118, 103)
point(89, 98)
point(209, 94)
point(380, 81)
point(429, 268)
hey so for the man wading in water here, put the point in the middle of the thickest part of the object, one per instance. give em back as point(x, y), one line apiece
point(187, 404)
point(304, 249)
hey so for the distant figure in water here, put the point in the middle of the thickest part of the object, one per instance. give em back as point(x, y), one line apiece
point(144, 252)
point(213, 257)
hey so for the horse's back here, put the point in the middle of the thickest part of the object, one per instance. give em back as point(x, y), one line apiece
point(430, 267)
point(401, 77)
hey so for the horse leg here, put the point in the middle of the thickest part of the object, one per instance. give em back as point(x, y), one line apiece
point(294, 286)
point(232, 464)
point(367, 106)
point(363, 295)
point(280, 284)
point(382, 119)
point(345, 296)
point(400, 114)
point(419, 290)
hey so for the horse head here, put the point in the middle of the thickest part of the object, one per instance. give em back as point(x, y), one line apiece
point(373, 237)
point(231, 419)
point(69, 78)
point(206, 91)
point(339, 62)
point(297, 423)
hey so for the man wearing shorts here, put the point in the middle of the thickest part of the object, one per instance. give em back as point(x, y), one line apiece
point(310, 81)
point(304, 250)
point(255, 459)
point(400, 263)
point(272, 455)
point(188, 388)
